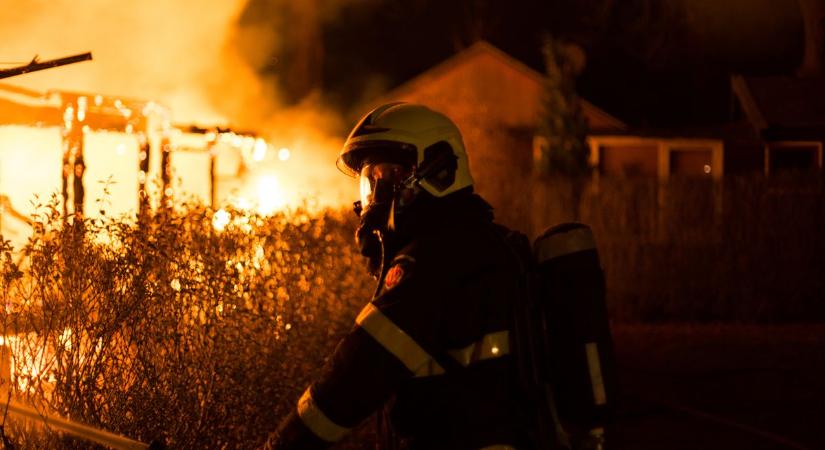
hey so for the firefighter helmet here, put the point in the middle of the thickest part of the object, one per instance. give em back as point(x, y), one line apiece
point(412, 135)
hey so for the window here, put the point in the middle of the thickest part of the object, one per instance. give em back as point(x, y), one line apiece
point(657, 157)
point(691, 162)
point(792, 156)
point(629, 160)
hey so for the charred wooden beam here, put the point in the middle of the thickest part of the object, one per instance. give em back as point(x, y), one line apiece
point(36, 65)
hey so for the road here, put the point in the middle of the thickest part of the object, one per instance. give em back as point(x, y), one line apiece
point(720, 387)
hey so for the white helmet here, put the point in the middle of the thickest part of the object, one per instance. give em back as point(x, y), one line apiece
point(412, 135)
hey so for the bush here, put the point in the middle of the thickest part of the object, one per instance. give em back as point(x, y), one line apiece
point(171, 328)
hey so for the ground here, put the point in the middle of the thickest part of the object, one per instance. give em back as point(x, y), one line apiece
point(720, 386)
point(708, 387)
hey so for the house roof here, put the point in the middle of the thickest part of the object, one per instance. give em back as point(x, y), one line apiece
point(740, 131)
point(471, 56)
point(781, 102)
point(22, 106)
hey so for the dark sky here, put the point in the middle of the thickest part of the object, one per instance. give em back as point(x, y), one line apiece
point(650, 62)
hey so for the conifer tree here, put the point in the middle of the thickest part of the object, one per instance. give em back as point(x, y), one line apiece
point(563, 150)
point(563, 128)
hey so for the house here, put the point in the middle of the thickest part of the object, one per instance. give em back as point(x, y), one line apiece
point(787, 114)
point(57, 142)
point(70, 144)
point(496, 101)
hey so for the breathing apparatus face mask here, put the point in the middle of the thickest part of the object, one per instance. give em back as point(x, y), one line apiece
point(380, 184)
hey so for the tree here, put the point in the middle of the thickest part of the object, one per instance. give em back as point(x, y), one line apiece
point(563, 127)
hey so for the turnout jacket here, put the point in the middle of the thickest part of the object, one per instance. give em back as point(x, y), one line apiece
point(433, 345)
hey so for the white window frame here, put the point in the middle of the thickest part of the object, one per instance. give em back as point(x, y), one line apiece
point(665, 147)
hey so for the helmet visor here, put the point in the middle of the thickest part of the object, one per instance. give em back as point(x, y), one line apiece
point(379, 181)
point(355, 155)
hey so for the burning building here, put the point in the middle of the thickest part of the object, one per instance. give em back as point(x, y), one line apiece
point(104, 155)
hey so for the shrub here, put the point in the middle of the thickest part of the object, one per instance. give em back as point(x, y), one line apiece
point(171, 328)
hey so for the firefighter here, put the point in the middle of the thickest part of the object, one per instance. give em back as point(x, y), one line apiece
point(431, 351)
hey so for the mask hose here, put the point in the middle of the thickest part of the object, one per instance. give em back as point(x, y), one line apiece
point(373, 229)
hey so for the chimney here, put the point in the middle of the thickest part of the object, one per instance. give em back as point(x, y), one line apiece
point(813, 18)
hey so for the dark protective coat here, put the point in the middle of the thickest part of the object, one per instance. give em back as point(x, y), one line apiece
point(433, 345)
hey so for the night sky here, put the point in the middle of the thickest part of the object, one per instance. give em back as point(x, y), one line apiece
point(650, 62)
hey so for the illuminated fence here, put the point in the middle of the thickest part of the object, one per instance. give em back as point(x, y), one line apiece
point(742, 248)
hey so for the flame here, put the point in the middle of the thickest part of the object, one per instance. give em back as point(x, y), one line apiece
point(195, 68)
point(270, 195)
point(284, 154)
point(221, 219)
point(259, 153)
point(27, 362)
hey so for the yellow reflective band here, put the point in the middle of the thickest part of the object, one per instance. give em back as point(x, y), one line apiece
point(395, 340)
point(493, 345)
point(596, 380)
point(553, 246)
point(317, 421)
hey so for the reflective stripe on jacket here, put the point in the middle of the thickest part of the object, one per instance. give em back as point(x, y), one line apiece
point(435, 341)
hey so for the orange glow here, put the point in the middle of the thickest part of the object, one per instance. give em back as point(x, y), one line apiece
point(221, 219)
point(284, 154)
point(28, 363)
point(270, 195)
point(218, 88)
point(260, 150)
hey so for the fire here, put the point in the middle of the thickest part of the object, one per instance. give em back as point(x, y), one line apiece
point(270, 195)
point(221, 219)
point(284, 154)
point(260, 150)
point(143, 55)
point(26, 362)
point(267, 198)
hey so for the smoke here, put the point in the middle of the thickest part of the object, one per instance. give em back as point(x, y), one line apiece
point(172, 52)
point(190, 55)
point(747, 31)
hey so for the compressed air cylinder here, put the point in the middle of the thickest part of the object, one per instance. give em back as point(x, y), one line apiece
point(580, 362)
